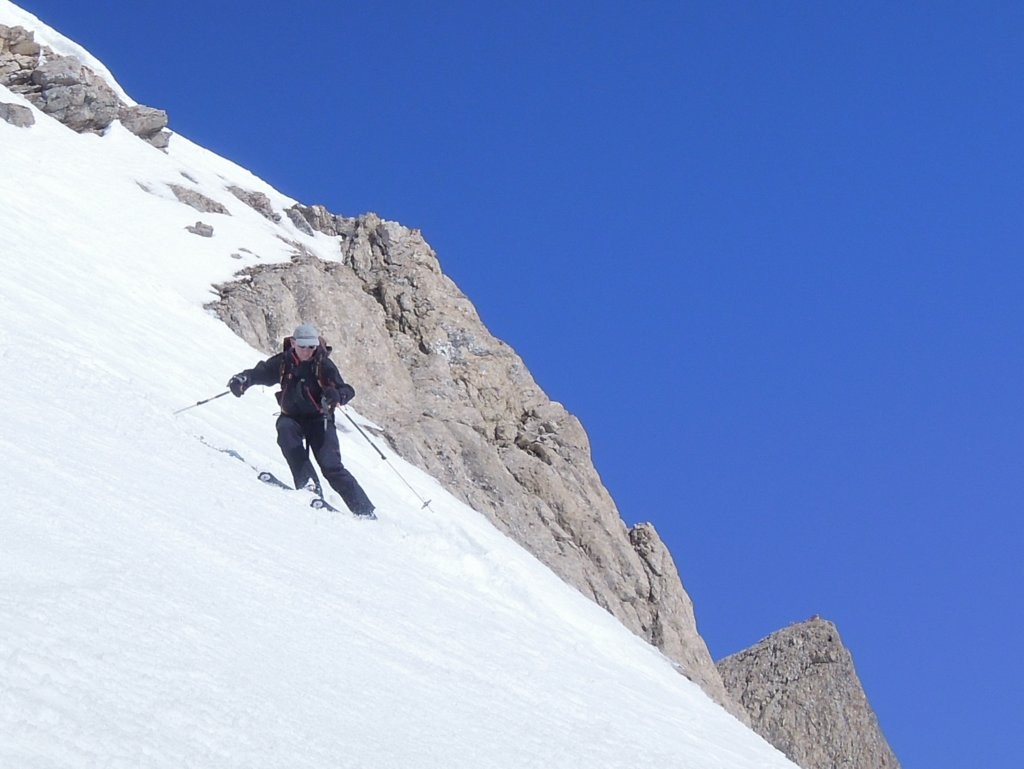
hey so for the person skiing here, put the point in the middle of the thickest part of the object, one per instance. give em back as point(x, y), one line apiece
point(311, 388)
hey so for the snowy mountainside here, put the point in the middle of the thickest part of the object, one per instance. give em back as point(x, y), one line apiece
point(161, 607)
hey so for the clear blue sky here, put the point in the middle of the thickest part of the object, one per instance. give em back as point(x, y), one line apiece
point(770, 253)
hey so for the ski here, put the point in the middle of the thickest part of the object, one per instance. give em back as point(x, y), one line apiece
point(317, 502)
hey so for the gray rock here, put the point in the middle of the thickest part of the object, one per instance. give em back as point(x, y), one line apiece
point(463, 406)
point(198, 200)
point(161, 140)
point(309, 218)
point(803, 695)
point(256, 201)
point(201, 228)
point(295, 214)
point(143, 121)
point(147, 123)
point(17, 115)
point(26, 48)
point(58, 71)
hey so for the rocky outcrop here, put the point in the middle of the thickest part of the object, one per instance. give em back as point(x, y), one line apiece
point(16, 115)
point(64, 89)
point(803, 695)
point(72, 94)
point(462, 405)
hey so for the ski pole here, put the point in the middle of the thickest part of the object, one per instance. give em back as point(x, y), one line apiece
point(426, 502)
point(360, 429)
point(200, 403)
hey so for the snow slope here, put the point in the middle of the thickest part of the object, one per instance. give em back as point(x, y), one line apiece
point(159, 607)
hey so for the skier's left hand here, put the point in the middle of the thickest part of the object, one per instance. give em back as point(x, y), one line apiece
point(345, 394)
point(338, 396)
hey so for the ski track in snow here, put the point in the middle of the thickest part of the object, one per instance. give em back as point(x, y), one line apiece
point(160, 607)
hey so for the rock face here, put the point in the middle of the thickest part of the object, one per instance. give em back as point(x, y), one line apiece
point(462, 405)
point(69, 92)
point(803, 696)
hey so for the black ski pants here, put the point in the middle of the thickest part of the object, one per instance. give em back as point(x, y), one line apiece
point(297, 436)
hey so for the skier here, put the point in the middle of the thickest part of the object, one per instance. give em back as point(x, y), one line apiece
point(311, 387)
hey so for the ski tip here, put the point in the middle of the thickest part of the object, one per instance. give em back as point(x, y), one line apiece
point(318, 503)
point(322, 504)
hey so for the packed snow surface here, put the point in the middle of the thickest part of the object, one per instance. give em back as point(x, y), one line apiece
point(160, 607)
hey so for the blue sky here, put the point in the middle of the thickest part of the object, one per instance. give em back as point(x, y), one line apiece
point(770, 253)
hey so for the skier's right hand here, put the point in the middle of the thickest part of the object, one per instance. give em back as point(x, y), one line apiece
point(237, 384)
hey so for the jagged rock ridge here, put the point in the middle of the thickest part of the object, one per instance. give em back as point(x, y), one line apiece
point(803, 695)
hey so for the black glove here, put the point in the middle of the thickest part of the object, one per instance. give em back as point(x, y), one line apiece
point(338, 396)
point(238, 384)
point(345, 394)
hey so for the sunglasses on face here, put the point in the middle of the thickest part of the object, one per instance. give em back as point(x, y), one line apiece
point(307, 346)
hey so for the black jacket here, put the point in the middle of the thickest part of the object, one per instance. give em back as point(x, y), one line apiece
point(302, 384)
